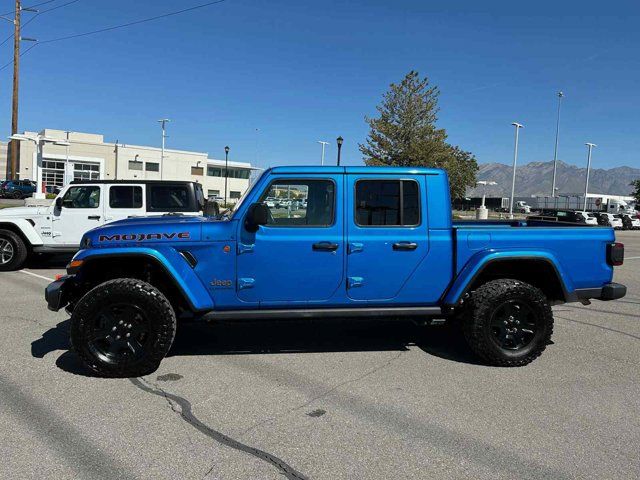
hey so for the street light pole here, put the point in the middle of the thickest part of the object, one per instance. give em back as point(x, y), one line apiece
point(515, 161)
point(324, 144)
point(555, 150)
point(339, 140)
point(226, 172)
point(586, 183)
point(163, 122)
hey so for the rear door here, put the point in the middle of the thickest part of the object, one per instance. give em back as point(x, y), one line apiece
point(123, 201)
point(386, 234)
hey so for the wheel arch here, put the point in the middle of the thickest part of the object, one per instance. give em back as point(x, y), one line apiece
point(537, 270)
point(24, 229)
point(157, 271)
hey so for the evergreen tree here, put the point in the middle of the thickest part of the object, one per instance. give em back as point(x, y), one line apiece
point(405, 134)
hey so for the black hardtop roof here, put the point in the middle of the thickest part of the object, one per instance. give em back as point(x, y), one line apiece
point(127, 182)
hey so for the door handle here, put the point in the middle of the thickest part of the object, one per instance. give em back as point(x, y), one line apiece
point(325, 246)
point(405, 246)
point(94, 217)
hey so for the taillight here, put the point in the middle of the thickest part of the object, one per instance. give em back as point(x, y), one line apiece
point(615, 254)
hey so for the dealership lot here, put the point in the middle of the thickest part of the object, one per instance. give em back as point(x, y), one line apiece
point(333, 400)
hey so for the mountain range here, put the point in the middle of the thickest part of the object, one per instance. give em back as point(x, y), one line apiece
point(535, 179)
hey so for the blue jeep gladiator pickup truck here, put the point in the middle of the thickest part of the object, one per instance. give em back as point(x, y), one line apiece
point(338, 242)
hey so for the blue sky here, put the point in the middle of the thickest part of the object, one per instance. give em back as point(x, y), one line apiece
point(270, 78)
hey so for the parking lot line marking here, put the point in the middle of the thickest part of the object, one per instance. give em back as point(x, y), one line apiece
point(36, 275)
point(632, 258)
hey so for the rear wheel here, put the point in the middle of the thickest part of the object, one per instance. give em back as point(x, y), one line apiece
point(17, 194)
point(508, 322)
point(13, 251)
point(123, 328)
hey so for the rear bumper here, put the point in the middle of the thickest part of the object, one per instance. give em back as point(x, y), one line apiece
point(56, 293)
point(610, 291)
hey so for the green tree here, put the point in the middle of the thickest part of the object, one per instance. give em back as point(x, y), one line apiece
point(636, 190)
point(405, 134)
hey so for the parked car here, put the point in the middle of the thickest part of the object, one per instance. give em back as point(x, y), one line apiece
point(591, 218)
point(367, 246)
point(82, 206)
point(612, 220)
point(52, 189)
point(17, 188)
point(629, 222)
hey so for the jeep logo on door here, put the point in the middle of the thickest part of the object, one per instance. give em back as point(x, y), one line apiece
point(141, 237)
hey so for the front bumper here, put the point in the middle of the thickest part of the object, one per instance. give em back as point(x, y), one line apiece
point(56, 293)
point(610, 291)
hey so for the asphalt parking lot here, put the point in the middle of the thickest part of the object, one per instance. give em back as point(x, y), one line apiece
point(334, 400)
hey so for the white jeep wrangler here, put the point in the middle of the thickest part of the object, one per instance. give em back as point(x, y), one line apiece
point(84, 205)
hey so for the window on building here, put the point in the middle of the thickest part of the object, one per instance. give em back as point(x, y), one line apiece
point(214, 172)
point(213, 193)
point(86, 171)
point(152, 167)
point(234, 195)
point(387, 202)
point(197, 171)
point(134, 165)
point(125, 196)
point(53, 173)
point(309, 203)
point(82, 197)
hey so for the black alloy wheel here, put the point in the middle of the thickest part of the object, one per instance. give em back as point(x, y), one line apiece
point(120, 334)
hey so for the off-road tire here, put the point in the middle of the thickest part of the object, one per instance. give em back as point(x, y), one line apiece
point(478, 312)
point(162, 323)
point(20, 251)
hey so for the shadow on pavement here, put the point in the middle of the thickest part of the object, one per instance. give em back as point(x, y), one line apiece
point(283, 337)
point(49, 260)
point(319, 336)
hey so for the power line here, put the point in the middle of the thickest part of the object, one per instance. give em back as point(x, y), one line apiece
point(37, 15)
point(129, 24)
point(30, 6)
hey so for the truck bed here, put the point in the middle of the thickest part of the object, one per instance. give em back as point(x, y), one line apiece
point(577, 251)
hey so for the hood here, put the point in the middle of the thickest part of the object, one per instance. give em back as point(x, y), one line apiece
point(23, 212)
point(151, 230)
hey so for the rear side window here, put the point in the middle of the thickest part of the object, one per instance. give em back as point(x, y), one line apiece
point(82, 197)
point(125, 196)
point(387, 203)
point(170, 198)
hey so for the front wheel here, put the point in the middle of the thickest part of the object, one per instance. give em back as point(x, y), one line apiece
point(123, 328)
point(508, 323)
point(13, 251)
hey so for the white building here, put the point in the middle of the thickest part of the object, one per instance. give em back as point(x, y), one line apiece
point(68, 156)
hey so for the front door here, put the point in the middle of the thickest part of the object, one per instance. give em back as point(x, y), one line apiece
point(298, 257)
point(387, 235)
point(82, 210)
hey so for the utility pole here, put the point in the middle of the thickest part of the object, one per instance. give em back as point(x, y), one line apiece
point(16, 77)
point(324, 144)
point(163, 122)
point(14, 164)
point(555, 150)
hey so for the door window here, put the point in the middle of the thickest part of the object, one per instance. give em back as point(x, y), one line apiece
point(82, 197)
point(387, 203)
point(304, 203)
point(125, 196)
point(170, 198)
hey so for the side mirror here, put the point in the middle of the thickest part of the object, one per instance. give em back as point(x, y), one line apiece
point(58, 202)
point(258, 214)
